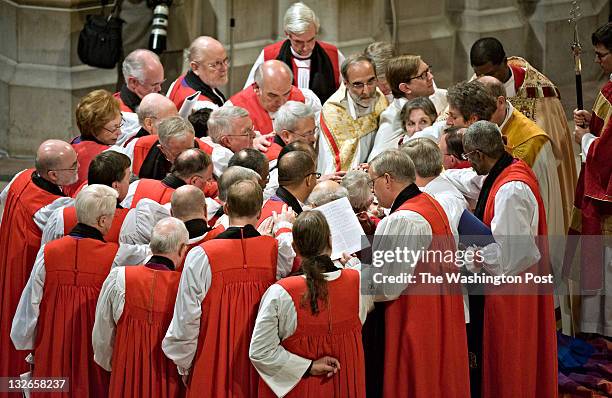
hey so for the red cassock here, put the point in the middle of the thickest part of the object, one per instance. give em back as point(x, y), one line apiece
point(519, 357)
point(75, 271)
point(122, 105)
point(334, 331)
point(248, 100)
point(86, 151)
point(425, 339)
point(152, 189)
point(181, 90)
point(272, 205)
point(140, 368)
point(19, 245)
point(70, 221)
point(242, 270)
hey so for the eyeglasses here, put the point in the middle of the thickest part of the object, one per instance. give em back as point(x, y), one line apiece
point(116, 127)
point(422, 76)
point(313, 173)
point(218, 65)
point(360, 85)
point(246, 133)
point(307, 134)
point(153, 85)
point(601, 56)
point(373, 180)
point(466, 156)
point(73, 168)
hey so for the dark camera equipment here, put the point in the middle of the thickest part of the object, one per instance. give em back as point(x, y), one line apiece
point(159, 26)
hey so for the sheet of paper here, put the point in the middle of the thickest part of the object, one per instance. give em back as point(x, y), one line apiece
point(188, 105)
point(345, 228)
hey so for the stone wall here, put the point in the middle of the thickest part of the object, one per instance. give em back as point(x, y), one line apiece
point(41, 78)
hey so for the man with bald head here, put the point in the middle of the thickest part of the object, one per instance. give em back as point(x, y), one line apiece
point(272, 88)
point(191, 167)
point(209, 69)
point(153, 108)
point(325, 192)
point(297, 177)
point(27, 202)
point(188, 204)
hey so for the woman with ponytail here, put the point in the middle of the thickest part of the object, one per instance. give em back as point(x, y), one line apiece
point(307, 337)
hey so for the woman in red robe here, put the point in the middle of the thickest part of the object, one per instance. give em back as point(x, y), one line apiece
point(307, 337)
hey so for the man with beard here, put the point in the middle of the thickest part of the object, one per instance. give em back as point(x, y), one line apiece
point(349, 119)
point(315, 64)
point(209, 70)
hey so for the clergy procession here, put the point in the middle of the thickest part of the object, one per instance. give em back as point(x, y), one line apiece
point(176, 248)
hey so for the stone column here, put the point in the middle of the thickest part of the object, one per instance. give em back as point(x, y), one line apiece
point(41, 78)
point(481, 18)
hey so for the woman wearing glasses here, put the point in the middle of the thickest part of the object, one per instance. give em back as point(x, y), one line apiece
point(98, 118)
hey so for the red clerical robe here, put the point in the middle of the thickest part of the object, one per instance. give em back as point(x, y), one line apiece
point(519, 356)
point(248, 100)
point(241, 271)
point(334, 331)
point(86, 151)
point(75, 269)
point(152, 189)
point(70, 220)
point(273, 204)
point(180, 90)
point(140, 368)
point(19, 244)
point(425, 340)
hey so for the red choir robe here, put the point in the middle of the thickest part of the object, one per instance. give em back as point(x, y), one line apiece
point(425, 339)
point(19, 244)
point(187, 84)
point(248, 100)
point(242, 269)
point(75, 269)
point(144, 145)
point(70, 220)
point(334, 331)
point(519, 354)
point(152, 189)
point(139, 366)
point(86, 151)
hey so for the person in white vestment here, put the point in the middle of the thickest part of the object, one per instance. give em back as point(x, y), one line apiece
point(153, 109)
point(409, 77)
point(350, 117)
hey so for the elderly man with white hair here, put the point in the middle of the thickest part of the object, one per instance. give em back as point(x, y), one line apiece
point(143, 74)
point(153, 155)
point(315, 64)
point(294, 121)
point(272, 88)
point(208, 71)
point(230, 130)
point(123, 330)
point(57, 306)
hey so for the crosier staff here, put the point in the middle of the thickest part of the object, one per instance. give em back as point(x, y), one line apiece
point(577, 50)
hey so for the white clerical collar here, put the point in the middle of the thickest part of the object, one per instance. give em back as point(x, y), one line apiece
point(298, 56)
point(611, 77)
point(509, 110)
point(509, 85)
